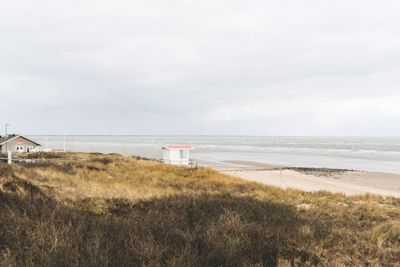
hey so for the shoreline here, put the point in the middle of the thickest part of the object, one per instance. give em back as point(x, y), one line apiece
point(348, 182)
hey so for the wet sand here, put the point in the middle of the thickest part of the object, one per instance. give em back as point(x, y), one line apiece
point(347, 182)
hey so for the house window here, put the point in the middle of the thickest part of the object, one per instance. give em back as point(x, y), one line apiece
point(182, 154)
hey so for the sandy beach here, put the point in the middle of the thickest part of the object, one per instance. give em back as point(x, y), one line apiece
point(314, 179)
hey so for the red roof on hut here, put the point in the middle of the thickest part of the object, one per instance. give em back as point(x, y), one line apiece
point(171, 147)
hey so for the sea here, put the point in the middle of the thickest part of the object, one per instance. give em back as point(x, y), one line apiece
point(379, 154)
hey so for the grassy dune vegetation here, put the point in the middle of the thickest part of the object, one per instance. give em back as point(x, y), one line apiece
point(109, 210)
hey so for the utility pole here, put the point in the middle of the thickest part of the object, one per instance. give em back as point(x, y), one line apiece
point(6, 132)
point(47, 141)
point(64, 144)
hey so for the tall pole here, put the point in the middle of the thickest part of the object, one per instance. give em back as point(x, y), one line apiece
point(6, 130)
point(64, 143)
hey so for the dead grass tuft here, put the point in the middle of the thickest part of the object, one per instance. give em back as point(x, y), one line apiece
point(387, 234)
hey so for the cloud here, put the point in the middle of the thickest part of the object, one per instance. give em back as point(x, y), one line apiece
point(164, 67)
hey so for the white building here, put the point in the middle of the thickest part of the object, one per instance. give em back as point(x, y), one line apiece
point(17, 144)
point(177, 154)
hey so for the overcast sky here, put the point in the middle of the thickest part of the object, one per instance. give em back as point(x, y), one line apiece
point(258, 67)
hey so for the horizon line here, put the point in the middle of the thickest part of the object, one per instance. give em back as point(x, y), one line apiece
point(219, 135)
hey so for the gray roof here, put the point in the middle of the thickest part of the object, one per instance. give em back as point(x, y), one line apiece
point(6, 139)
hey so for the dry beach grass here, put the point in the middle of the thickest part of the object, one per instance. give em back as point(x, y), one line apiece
point(110, 210)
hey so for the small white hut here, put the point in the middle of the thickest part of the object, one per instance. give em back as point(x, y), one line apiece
point(177, 154)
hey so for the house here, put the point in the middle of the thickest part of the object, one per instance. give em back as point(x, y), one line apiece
point(176, 154)
point(17, 144)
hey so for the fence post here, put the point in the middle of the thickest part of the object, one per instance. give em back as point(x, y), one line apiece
point(9, 157)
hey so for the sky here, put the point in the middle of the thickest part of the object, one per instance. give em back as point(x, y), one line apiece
point(210, 67)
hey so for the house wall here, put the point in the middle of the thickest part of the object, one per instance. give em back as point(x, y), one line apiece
point(174, 157)
point(166, 155)
point(18, 142)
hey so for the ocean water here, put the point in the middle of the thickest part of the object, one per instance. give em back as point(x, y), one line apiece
point(360, 153)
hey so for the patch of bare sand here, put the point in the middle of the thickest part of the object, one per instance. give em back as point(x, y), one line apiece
point(336, 181)
point(252, 164)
